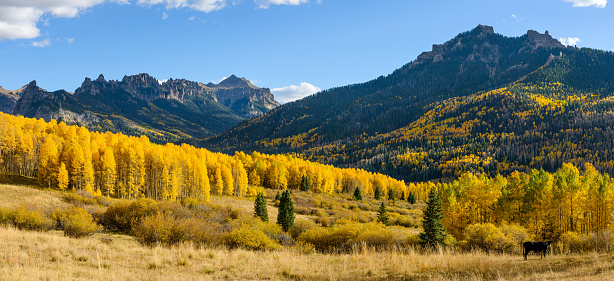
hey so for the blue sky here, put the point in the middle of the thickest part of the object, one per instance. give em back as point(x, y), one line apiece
point(292, 46)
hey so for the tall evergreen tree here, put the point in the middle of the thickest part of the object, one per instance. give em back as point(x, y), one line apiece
point(305, 185)
point(277, 196)
point(377, 193)
point(357, 194)
point(382, 214)
point(411, 198)
point(260, 209)
point(285, 216)
point(433, 232)
point(391, 194)
point(402, 195)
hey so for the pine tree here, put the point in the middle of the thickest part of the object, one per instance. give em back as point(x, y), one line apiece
point(277, 196)
point(357, 194)
point(411, 198)
point(62, 177)
point(433, 232)
point(260, 207)
point(391, 194)
point(377, 193)
point(285, 217)
point(402, 195)
point(305, 185)
point(382, 214)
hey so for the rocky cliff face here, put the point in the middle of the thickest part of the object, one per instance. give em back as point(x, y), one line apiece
point(177, 108)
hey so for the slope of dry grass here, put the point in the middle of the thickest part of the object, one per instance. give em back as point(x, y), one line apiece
point(51, 256)
point(28, 255)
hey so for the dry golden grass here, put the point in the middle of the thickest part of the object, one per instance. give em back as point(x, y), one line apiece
point(52, 256)
point(14, 192)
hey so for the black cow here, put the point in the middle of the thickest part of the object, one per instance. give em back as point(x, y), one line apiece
point(537, 247)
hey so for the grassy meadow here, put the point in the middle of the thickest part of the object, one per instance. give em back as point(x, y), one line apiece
point(31, 255)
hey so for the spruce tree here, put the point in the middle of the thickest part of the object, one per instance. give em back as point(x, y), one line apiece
point(260, 207)
point(277, 196)
point(285, 217)
point(382, 214)
point(411, 198)
point(305, 185)
point(377, 193)
point(402, 195)
point(433, 232)
point(357, 194)
point(391, 194)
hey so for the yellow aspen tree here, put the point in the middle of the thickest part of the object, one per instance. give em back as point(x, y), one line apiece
point(241, 179)
point(62, 177)
point(108, 172)
point(228, 180)
point(47, 161)
point(174, 185)
point(219, 181)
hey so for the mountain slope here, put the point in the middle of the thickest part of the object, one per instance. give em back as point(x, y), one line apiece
point(468, 104)
point(140, 104)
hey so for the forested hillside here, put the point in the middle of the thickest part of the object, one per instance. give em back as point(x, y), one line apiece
point(116, 165)
point(479, 102)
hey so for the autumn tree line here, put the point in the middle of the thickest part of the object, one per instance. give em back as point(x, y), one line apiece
point(548, 205)
point(115, 165)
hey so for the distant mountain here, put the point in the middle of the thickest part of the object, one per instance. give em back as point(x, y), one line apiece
point(140, 104)
point(481, 101)
point(8, 99)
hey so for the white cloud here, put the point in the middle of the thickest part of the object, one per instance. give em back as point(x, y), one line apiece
point(291, 93)
point(43, 43)
point(218, 81)
point(200, 5)
point(265, 4)
point(18, 18)
point(164, 15)
point(191, 18)
point(587, 3)
point(569, 41)
point(70, 40)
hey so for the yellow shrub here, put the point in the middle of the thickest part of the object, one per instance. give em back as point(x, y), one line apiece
point(572, 242)
point(300, 226)
point(76, 222)
point(486, 237)
point(6, 216)
point(249, 238)
point(32, 219)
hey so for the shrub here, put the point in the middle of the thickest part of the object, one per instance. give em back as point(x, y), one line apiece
point(6, 216)
point(300, 226)
point(486, 237)
point(572, 242)
point(31, 219)
point(249, 238)
point(76, 222)
point(343, 238)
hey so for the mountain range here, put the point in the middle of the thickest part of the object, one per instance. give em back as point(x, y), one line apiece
point(479, 102)
point(141, 105)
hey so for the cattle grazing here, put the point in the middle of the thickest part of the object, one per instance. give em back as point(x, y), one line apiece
point(537, 247)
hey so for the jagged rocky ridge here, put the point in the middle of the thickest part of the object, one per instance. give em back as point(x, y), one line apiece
point(140, 104)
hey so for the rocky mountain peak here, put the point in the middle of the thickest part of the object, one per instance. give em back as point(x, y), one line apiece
point(141, 80)
point(543, 40)
point(101, 79)
point(235, 82)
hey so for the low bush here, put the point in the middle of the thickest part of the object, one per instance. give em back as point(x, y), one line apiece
point(488, 237)
point(249, 238)
point(31, 218)
point(345, 237)
point(76, 222)
point(6, 216)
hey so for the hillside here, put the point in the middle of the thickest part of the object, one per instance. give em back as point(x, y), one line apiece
point(141, 105)
point(462, 106)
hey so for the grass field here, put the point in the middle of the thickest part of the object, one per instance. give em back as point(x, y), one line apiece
point(28, 255)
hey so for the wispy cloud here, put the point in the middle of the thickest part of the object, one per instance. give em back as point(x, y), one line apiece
point(43, 43)
point(569, 41)
point(517, 18)
point(70, 40)
point(291, 93)
point(164, 15)
point(265, 4)
point(588, 3)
